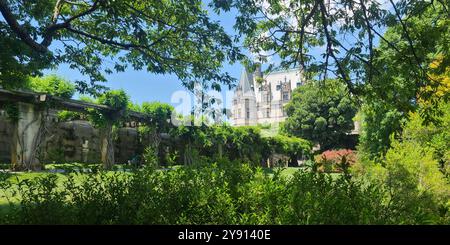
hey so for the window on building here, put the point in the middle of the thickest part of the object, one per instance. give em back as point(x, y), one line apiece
point(239, 113)
point(268, 113)
point(268, 97)
point(247, 114)
point(278, 87)
point(285, 96)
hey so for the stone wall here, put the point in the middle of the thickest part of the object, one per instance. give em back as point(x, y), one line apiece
point(74, 141)
point(5, 138)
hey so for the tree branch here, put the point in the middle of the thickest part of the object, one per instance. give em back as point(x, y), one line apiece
point(330, 50)
point(405, 30)
point(19, 30)
point(49, 30)
point(369, 31)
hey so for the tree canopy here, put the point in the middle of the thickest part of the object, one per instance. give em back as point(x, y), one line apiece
point(338, 38)
point(320, 113)
point(52, 84)
point(98, 37)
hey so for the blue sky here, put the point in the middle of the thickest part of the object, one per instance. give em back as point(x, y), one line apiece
point(144, 86)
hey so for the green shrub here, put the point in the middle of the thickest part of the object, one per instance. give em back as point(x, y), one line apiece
point(416, 191)
point(226, 192)
point(416, 183)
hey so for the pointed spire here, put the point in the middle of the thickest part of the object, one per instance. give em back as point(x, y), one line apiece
point(246, 81)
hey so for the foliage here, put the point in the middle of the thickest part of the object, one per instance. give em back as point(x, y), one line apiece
point(400, 88)
point(439, 88)
point(11, 109)
point(335, 160)
point(434, 136)
point(380, 120)
point(159, 115)
point(66, 116)
point(235, 142)
point(118, 100)
point(401, 83)
point(162, 37)
point(53, 85)
point(244, 143)
point(322, 114)
point(314, 36)
point(15, 64)
point(221, 193)
point(150, 156)
point(293, 147)
point(413, 170)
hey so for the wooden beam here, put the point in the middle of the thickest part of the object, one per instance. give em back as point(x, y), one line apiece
point(64, 104)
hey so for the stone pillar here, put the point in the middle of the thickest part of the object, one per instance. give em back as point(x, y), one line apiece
point(28, 133)
point(107, 145)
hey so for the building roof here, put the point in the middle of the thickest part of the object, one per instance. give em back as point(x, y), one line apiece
point(246, 82)
point(280, 70)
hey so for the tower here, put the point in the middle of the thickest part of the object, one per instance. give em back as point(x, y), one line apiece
point(260, 98)
point(244, 101)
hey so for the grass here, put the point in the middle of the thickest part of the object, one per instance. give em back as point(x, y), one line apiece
point(290, 171)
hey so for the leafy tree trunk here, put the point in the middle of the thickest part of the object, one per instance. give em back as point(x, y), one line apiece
point(107, 149)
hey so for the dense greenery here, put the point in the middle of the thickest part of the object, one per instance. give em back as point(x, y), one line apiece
point(53, 85)
point(221, 193)
point(415, 167)
point(399, 175)
point(400, 87)
point(322, 113)
point(236, 143)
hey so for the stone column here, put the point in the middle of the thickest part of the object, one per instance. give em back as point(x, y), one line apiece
point(28, 134)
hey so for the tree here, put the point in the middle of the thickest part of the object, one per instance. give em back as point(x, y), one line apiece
point(399, 90)
point(380, 120)
point(162, 37)
point(339, 38)
point(322, 113)
point(434, 136)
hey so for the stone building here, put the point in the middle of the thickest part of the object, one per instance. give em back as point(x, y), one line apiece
point(260, 98)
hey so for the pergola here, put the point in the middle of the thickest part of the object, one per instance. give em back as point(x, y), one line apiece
point(27, 130)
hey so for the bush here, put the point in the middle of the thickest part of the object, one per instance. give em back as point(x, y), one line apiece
point(226, 192)
point(335, 160)
point(416, 183)
point(238, 143)
point(416, 191)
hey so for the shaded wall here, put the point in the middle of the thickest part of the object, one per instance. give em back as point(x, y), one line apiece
point(74, 141)
point(5, 138)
